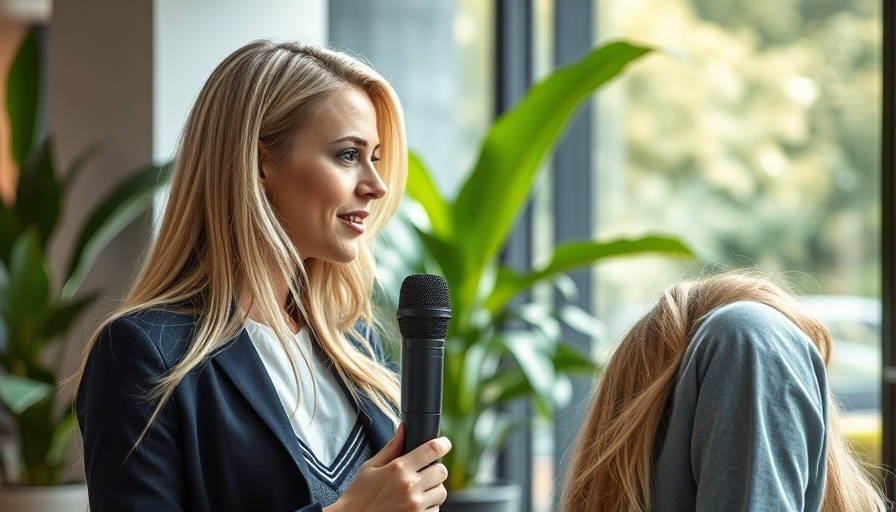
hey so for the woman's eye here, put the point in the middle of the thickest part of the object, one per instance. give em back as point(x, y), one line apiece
point(349, 155)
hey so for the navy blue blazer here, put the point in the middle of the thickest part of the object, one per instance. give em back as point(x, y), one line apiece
point(222, 442)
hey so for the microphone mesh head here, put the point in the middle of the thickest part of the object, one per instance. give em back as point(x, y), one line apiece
point(424, 293)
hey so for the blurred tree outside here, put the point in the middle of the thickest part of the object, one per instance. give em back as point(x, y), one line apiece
point(757, 132)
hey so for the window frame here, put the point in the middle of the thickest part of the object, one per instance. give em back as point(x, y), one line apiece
point(888, 247)
point(513, 77)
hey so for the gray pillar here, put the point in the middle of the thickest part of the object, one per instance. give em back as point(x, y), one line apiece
point(572, 217)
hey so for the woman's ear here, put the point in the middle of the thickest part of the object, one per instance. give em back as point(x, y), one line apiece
point(262, 162)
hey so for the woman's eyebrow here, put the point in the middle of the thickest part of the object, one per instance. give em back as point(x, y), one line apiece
point(352, 138)
point(357, 140)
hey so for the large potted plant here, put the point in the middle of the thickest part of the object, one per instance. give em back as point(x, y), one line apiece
point(500, 348)
point(39, 304)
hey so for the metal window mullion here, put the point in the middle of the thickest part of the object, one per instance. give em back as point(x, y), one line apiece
point(572, 185)
point(513, 76)
point(888, 245)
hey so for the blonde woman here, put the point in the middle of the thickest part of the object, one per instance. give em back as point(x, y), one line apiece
point(717, 400)
point(240, 372)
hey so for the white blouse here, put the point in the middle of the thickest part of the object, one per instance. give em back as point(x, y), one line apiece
point(326, 421)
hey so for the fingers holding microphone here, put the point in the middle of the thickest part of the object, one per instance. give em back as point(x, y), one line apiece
point(429, 474)
point(408, 483)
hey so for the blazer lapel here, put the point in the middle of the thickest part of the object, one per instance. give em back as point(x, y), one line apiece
point(379, 427)
point(240, 361)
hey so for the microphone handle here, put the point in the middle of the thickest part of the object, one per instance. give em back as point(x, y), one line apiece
point(419, 427)
point(421, 390)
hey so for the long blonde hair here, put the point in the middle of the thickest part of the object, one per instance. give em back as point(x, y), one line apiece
point(612, 459)
point(219, 234)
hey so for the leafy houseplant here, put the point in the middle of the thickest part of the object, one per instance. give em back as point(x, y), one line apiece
point(36, 310)
point(488, 364)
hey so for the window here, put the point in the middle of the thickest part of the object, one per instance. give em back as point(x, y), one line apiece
point(438, 57)
point(753, 133)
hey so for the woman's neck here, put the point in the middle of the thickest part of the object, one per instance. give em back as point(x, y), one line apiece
point(288, 310)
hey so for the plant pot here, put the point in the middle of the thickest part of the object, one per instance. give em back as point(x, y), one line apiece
point(52, 498)
point(498, 497)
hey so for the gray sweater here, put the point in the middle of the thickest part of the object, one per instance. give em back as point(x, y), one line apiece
point(745, 428)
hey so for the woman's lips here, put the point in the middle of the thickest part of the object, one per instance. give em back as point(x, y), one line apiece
point(354, 220)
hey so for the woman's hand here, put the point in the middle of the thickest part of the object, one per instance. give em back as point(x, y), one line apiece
point(387, 482)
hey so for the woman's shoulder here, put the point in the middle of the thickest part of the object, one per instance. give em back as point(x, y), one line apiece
point(747, 317)
point(746, 313)
point(158, 319)
point(168, 328)
point(751, 329)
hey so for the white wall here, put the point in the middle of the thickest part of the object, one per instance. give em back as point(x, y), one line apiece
point(192, 36)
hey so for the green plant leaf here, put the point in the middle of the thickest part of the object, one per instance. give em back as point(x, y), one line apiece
point(9, 232)
point(582, 321)
point(491, 436)
point(506, 385)
point(468, 392)
point(446, 256)
point(533, 357)
point(460, 457)
point(121, 206)
point(38, 196)
point(514, 148)
point(423, 189)
point(459, 411)
point(572, 255)
point(538, 316)
point(19, 393)
point(29, 283)
point(23, 88)
point(568, 359)
point(27, 299)
point(512, 382)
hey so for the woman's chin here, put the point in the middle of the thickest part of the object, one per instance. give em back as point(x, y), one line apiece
point(343, 255)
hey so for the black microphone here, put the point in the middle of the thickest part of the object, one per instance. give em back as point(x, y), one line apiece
point(423, 314)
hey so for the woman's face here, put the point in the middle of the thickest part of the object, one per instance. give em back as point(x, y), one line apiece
point(325, 185)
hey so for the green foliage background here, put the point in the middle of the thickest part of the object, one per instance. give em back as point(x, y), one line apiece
point(756, 134)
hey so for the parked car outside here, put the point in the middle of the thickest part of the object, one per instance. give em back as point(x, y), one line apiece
point(856, 364)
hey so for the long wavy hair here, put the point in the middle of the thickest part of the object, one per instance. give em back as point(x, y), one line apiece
point(220, 239)
point(610, 468)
